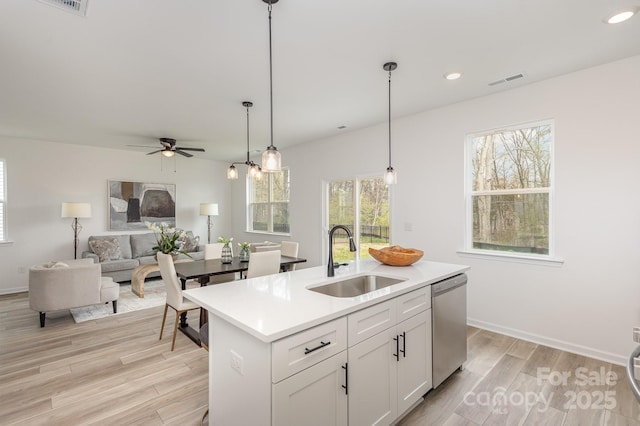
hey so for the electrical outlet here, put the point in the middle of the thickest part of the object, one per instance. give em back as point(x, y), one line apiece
point(408, 226)
point(237, 362)
point(22, 270)
point(636, 334)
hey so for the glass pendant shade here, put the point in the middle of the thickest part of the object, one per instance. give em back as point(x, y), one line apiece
point(271, 159)
point(390, 176)
point(232, 172)
point(254, 170)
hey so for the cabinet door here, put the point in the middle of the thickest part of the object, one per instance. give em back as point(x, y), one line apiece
point(372, 380)
point(313, 397)
point(414, 368)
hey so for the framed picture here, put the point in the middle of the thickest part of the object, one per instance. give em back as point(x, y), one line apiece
point(131, 204)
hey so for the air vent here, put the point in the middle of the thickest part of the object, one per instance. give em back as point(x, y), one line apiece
point(78, 7)
point(506, 79)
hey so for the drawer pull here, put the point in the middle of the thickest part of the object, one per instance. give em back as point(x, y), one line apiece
point(345, 367)
point(320, 346)
point(397, 354)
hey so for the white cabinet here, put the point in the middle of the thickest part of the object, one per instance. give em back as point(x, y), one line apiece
point(391, 370)
point(314, 397)
point(373, 376)
point(414, 365)
point(364, 368)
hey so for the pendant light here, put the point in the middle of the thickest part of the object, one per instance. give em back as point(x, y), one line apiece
point(254, 169)
point(271, 159)
point(390, 176)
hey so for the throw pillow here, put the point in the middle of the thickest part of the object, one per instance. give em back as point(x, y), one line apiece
point(190, 243)
point(106, 249)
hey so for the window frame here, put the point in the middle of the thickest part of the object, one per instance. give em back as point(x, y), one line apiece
point(469, 194)
point(356, 205)
point(4, 237)
point(269, 203)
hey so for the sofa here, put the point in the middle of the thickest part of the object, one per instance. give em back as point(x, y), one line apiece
point(68, 284)
point(119, 255)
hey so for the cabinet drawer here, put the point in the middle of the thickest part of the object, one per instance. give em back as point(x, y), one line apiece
point(413, 303)
point(304, 349)
point(371, 321)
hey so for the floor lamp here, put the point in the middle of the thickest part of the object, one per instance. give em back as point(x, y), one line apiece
point(209, 210)
point(76, 210)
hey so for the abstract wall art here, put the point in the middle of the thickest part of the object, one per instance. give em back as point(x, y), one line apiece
point(131, 204)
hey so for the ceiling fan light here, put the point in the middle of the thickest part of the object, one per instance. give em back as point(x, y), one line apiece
point(232, 172)
point(620, 17)
point(271, 159)
point(168, 153)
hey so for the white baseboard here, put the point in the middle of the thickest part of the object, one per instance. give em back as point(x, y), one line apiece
point(4, 291)
point(554, 343)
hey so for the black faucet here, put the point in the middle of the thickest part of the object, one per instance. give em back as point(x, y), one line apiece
point(352, 247)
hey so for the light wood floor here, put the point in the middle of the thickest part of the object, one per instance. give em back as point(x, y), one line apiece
point(114, 371)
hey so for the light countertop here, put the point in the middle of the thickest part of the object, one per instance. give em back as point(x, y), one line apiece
point(275, 306)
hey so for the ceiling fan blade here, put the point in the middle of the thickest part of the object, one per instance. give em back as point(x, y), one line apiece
point(186, 154)
point(190, 149)
point(154, 152)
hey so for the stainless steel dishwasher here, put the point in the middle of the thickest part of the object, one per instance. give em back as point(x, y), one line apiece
point(449, 326)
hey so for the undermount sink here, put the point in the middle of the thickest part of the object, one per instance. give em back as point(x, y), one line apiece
point(356, 286)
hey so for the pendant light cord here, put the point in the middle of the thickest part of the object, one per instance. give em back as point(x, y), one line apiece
point(247, 135)
point(389, 118)
point(270, 73)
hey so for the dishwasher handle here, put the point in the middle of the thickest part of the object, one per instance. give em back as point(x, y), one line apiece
point(448, 284)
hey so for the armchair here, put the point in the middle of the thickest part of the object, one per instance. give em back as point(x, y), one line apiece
point(69, 284)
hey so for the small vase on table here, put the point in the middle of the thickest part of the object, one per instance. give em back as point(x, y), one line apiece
point(244, 252)
point(226, 254)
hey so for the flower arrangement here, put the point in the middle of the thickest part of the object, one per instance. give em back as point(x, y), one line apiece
point(244, 246)
point(225, 240)
point(169, 238)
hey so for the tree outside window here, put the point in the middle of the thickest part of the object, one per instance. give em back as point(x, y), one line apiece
point(511, 189)
point(268, 204)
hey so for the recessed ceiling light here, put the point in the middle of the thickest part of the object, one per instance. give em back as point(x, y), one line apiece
point(453, 75)
point(621, 17)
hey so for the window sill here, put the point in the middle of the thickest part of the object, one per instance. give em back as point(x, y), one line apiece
point(280, 234)
point(516, 258)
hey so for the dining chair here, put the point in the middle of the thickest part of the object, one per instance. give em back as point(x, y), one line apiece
point(214, 251)
point(175, 299)
point(263, 263)
point(290, 248)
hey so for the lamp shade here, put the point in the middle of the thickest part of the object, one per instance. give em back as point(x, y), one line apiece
point(76, 210)
point(209, 209)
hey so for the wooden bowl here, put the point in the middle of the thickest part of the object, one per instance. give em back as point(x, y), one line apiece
point(396, 255)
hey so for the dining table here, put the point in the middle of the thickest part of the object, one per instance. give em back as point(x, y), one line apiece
point(203, 269)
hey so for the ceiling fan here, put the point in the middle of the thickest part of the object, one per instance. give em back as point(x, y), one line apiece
point(169, 148)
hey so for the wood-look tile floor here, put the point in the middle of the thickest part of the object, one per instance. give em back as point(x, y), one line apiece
point(115, 371)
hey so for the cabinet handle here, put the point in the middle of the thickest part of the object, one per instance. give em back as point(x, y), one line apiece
point(404, 344)
point(397, 354)
point(345, 367)
point(322, 345)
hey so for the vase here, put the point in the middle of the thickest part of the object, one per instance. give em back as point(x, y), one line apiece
point(226, 254)
point(244, 254)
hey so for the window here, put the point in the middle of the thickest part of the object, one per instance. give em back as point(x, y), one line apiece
point(3, 201)
point(509, 192)
point(268, 203)
point(361, 204)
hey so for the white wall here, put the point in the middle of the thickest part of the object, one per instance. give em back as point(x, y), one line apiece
point(41, 176)
point(590, 303)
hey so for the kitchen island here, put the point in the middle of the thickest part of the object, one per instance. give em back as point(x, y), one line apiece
point(300, 357)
